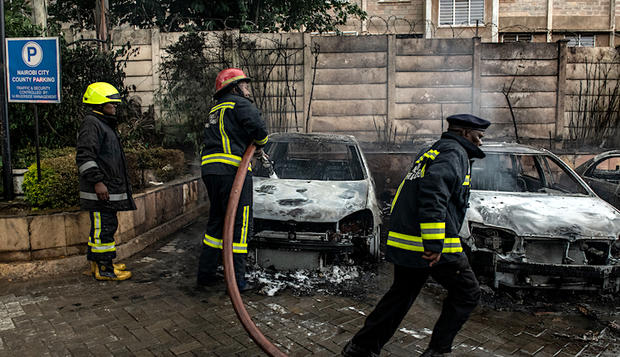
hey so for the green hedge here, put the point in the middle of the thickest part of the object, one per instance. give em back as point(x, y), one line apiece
point(59, 185)
point(166, 164)
point(28, 155)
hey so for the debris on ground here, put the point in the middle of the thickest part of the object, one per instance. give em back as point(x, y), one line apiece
point(350, 281)
point(589, 336)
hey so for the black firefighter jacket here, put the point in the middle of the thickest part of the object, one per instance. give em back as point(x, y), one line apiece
point(233, 124)
point(430, 204)
point(100, 158)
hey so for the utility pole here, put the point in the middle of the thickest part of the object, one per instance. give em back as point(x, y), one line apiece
point(7, 170)
point(39, 14)
point(101, 22)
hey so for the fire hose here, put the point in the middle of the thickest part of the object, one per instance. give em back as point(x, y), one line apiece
point(229, 270)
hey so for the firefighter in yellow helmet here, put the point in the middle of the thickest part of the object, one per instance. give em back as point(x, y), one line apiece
point(104, 182)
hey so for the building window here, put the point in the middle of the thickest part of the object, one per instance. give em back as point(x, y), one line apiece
point(461, 12)
point(517, 37)
point(580, 40)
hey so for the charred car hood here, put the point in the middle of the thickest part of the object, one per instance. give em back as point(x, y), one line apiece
point(308, 201)
point(542, 215)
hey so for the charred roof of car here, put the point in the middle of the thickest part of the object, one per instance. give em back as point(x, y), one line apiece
point(323, 137)
point(512, 148)
point(606, 154)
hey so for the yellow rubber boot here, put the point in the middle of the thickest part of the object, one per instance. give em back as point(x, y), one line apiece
point(93, 266)
point(106, 271)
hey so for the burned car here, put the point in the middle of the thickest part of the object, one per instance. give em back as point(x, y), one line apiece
point(602, 174)
point(532, 222)
point(316, 205)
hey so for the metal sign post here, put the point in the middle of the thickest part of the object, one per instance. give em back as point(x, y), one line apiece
point(33, 75)
point(7, 170)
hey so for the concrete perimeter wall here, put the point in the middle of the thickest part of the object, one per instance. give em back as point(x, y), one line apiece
point(386, 89)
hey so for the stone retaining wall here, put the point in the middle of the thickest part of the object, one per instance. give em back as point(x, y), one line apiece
point(27, 241)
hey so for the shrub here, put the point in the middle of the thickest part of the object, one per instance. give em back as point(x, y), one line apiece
point(59, 186)
point(167, 164)
point(27, 156)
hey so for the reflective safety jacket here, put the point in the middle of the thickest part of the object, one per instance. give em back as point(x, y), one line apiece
point(100, 158)
point(430, 204)
point(233, 124)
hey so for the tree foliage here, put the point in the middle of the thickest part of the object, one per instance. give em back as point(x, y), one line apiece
point(188, 71)
point(81, 64)
point(245, 15)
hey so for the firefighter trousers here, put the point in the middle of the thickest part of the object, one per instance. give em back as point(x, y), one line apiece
point(463, 296)
point(103, 225)
point(218, 189)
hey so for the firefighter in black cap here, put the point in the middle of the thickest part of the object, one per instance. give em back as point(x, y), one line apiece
point(427, 214)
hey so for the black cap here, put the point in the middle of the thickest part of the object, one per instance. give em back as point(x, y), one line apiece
point(468, 121)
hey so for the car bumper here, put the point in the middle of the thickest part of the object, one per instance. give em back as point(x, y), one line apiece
point(567, 277)
point(314, 242)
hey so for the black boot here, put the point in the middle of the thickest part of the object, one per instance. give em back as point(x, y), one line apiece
point(431, 353)
point(352, 350)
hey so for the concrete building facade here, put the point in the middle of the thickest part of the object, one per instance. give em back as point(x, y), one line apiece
point(585, 23)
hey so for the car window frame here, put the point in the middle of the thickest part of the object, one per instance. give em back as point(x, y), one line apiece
point(589, 172)
point(352, 148)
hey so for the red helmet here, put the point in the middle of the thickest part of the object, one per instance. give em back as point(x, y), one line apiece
point(228, 77)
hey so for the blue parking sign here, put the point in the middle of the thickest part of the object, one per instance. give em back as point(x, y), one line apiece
point(33, 70)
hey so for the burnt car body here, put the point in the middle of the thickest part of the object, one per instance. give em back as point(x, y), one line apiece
point(602, 174)
point(321, 209)
point(533, 223)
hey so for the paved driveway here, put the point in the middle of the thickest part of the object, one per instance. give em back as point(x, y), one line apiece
point(159, 313)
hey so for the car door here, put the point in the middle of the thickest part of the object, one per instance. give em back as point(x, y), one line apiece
point(603, 176)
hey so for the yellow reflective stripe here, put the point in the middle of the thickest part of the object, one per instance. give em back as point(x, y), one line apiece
point(233, 79)
point(396, 196)
point(102, 247)
point(263, 141)
point(229, 105)
point(452, 245)
point(433, 225)
point(219, 243)
point(97, 230)
point(405, 237)
point(405, 241)
point(434, 231)
point(244, 226)
point(225, 139)
point(229, 159)
point(466, 182)
point(414, 243)
point(404, 246)
point(431, 154)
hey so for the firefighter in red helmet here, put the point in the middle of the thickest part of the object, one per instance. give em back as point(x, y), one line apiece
point(232, 124)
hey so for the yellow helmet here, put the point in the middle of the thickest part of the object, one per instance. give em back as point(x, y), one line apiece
point(100, 93)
